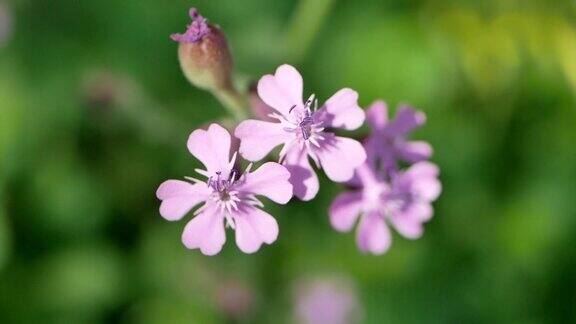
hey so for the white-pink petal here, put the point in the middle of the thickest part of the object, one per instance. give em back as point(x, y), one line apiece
point(420, 210)
point(344, 210)
point(340, 156)
point(424, 181)
point(253, 228)
point(377, 115)
point(405, 121)
point(407, 225)
point(302, 177)
point(258, 138)
point(282, 90)
point(372, 234)
point(343, 110)
point(212, 148)
point(415, 151)
point(270, 180)
point(179, 197)
point(205, 232)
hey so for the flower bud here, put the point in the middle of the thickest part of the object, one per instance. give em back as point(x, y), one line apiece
point(5, 24)
point(204, 55)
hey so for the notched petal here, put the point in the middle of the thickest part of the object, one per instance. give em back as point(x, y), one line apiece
point(270, 180)
point(253, 228)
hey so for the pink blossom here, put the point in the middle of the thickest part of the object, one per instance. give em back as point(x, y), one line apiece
point(226, 196)
point(328, 300)
point(386, 194)
point(235, 299)
point(302, 131)
point(403, 202)
point(388, 137)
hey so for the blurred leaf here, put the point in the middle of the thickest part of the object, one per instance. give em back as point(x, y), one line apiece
point(71, 200)
point(5, 235)
point(566, 48)
point(79, 280)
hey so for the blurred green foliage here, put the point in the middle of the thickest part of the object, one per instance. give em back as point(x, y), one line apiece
point(94, 114)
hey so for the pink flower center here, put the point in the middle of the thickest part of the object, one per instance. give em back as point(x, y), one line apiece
point(397, 202)
point(228, 195)
point(304, 124)
point(222, 186)
point(372, 196)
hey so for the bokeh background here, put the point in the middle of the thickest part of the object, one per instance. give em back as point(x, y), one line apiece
point(95, 113)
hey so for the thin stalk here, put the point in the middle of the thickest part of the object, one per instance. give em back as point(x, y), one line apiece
point(304, 26)
point(233, 101)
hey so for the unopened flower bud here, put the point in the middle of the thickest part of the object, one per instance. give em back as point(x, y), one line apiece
point(204, 55)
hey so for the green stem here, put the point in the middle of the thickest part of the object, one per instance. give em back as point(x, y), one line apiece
point(304, 26)
point(233, 101)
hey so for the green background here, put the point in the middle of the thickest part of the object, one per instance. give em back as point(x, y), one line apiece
point(95, 113)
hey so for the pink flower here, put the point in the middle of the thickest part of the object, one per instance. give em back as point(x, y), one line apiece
point(404, 203)
point(226, 197)
point(235, 299)
point(388, 137)
point(387, 195)
point(302, 132)
point(328, 300)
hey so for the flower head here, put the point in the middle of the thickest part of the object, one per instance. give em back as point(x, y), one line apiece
point(328, 300)
point(404, 203)
point(302, 129)
point(227, 196)
point(388, 138)
point(386, 194)
point(235, 299)
point(204, 55)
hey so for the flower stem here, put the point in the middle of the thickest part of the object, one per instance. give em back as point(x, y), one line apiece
point(233, 101)
point(304, 25)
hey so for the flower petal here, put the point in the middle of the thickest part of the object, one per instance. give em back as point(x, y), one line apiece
point(258, 138)
point(421, 211)
point(423, 177)
point(415, 151)
point(179, 197)
point(343, 110)
point(372, 234)
point(377, 115)
point(254, 227)
point(345, 210)
point(206, 232)
point(212, 148)
point(339, 156)
point(405, 121)
point(407, 225)
point(269, 180)
point(302, 177)
point(282, 90)
point(259, 108)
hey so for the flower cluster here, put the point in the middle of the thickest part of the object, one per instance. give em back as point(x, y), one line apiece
point(384, 193)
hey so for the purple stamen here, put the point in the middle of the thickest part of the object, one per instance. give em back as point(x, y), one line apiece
point(222, 186)
point(307, 121)
point(306, 126)
point(195, 31)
